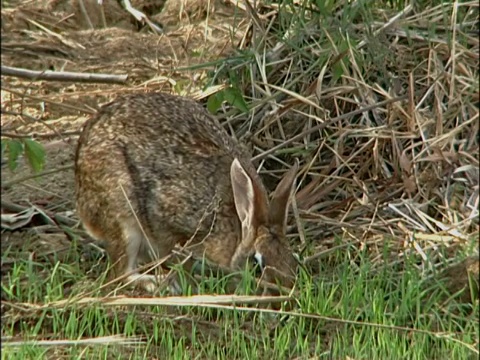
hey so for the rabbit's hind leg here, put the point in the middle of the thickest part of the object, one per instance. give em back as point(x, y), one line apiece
point(122, 245)
point(134, 240)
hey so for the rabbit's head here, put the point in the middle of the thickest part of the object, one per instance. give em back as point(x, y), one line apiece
point(263, 225)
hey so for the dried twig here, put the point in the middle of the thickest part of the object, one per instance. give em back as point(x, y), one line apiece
point(67, 106)
point(8, 184)
point(63, 76)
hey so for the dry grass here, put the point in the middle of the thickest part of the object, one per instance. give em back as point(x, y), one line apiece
point(383, 116)
point(407, 168)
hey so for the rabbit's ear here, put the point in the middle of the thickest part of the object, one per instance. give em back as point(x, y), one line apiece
point(279, 203)
point(243, 194)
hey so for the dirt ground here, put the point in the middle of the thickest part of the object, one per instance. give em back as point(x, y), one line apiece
point(54, 35)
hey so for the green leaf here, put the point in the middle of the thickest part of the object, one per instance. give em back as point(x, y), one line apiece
point(325, 7)
point(4, 147)
point(15, 148)
point(215, 101)
point(234, 97)
point(35, 154)
point(337, 70)
point(179, 86)
point(233, 77)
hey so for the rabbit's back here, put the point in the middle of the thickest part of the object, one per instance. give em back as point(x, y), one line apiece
point(162, 156)
point(155, 170)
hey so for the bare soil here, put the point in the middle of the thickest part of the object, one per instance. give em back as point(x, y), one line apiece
point(54, 112)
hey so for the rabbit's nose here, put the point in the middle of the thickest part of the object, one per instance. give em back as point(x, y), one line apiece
point(258, 259)
point(258, 262)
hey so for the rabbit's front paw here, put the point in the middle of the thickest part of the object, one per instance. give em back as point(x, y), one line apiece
point(174, 287)
point(152, 283)
point(147, 282)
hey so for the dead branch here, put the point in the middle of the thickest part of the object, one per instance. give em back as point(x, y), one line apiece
point(63, 76)
point(8, 184)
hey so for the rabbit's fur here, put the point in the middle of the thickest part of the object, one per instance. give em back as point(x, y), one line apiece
point(156, 170)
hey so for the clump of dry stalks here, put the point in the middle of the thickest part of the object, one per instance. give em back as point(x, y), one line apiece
point(408, 168)
point(383, 117)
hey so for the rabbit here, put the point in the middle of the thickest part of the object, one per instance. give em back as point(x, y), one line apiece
point(156, 170)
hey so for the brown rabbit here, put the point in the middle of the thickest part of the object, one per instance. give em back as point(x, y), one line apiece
point(156, 170)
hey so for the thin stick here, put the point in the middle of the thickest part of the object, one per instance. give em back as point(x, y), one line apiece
point(7, 184)
point(63, 76)
point(39, 135)
point(85, 14)
point(66, 106)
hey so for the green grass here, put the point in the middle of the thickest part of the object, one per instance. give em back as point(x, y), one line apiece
point(357, 308)
point(353, 302)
